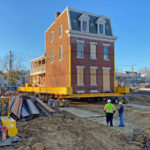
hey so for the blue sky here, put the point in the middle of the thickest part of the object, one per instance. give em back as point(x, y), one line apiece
point(24, 22)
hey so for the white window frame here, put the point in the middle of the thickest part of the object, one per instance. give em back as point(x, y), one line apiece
point(80, 42)
point(94, 91)
point(52, 36)
point(86, 18)
point(79, 92)
point(106, 44)
point(98, 26)
point(93, 43)
point(101, 21)
point(83, 75)
point(93, 67)
point(60, 52)
point(80, 67)
point(106, 59)
point(87, 29)
point(52, 56)
point(106, 68)
point(60, 30)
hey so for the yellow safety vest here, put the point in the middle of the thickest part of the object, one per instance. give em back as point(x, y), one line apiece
point(109, 108)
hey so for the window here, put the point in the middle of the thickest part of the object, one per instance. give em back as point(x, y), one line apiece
point(101, 29)
point(52, 36)
point(60, 52)
point(81, 91)
point(106, 53)
point(80, 75)
point(84, 26)
point(60, 30)
point(94, 91)
point(52, 56)
point(101, 25)
point(80, 50)
point(93, 75)
point(106, 79)
point(84, 22)
point(92, 51)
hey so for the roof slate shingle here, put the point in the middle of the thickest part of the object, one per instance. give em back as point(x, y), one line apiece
point(75, 23)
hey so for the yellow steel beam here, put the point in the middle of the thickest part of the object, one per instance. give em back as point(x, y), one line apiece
point(56, 90)
point(47, 90)
point(90, 95)
point(114, 73)
point(123, 89)
point(70, 66)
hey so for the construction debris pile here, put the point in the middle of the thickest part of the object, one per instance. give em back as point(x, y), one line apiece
point(143, 137)
point(28, 107)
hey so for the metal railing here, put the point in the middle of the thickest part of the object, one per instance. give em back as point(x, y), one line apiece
point(38, 70)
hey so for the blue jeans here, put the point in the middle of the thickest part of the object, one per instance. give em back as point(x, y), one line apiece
point(121, 120)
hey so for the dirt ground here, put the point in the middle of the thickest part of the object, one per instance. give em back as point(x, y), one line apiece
point(143, 99)
point(82, 127)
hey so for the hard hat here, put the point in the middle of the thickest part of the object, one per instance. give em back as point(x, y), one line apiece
point(120, 103)
point(109, 100)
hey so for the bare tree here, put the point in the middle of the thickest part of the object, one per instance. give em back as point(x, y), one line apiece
point(12, 66)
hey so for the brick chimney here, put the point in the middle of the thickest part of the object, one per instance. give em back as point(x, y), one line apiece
point(57, 14)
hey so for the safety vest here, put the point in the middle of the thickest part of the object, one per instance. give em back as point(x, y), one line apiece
point(109, 108)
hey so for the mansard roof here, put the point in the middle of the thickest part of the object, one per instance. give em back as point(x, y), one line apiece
point(76, 16)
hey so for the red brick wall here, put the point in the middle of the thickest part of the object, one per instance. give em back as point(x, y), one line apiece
point(87, 62)
point(57, 73)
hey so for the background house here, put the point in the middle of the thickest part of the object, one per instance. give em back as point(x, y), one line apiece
point(129, 78)
point(3, 81)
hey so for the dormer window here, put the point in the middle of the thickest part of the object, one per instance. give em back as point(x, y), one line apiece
point(84, 26)
point(101, 29)
point(84, 22)
point(101, 25)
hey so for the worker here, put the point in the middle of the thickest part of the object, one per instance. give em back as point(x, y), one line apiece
point(109, 110)
point(121, 112)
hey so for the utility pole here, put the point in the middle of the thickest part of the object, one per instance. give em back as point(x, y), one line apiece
point(132, 67)
point(132, 75)
point(10, 67)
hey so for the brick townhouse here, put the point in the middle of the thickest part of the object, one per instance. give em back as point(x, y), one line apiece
point(79, 53)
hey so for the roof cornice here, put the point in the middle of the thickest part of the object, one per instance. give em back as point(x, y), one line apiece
point(39, 58)
point(93, 36)
point(88, 13)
